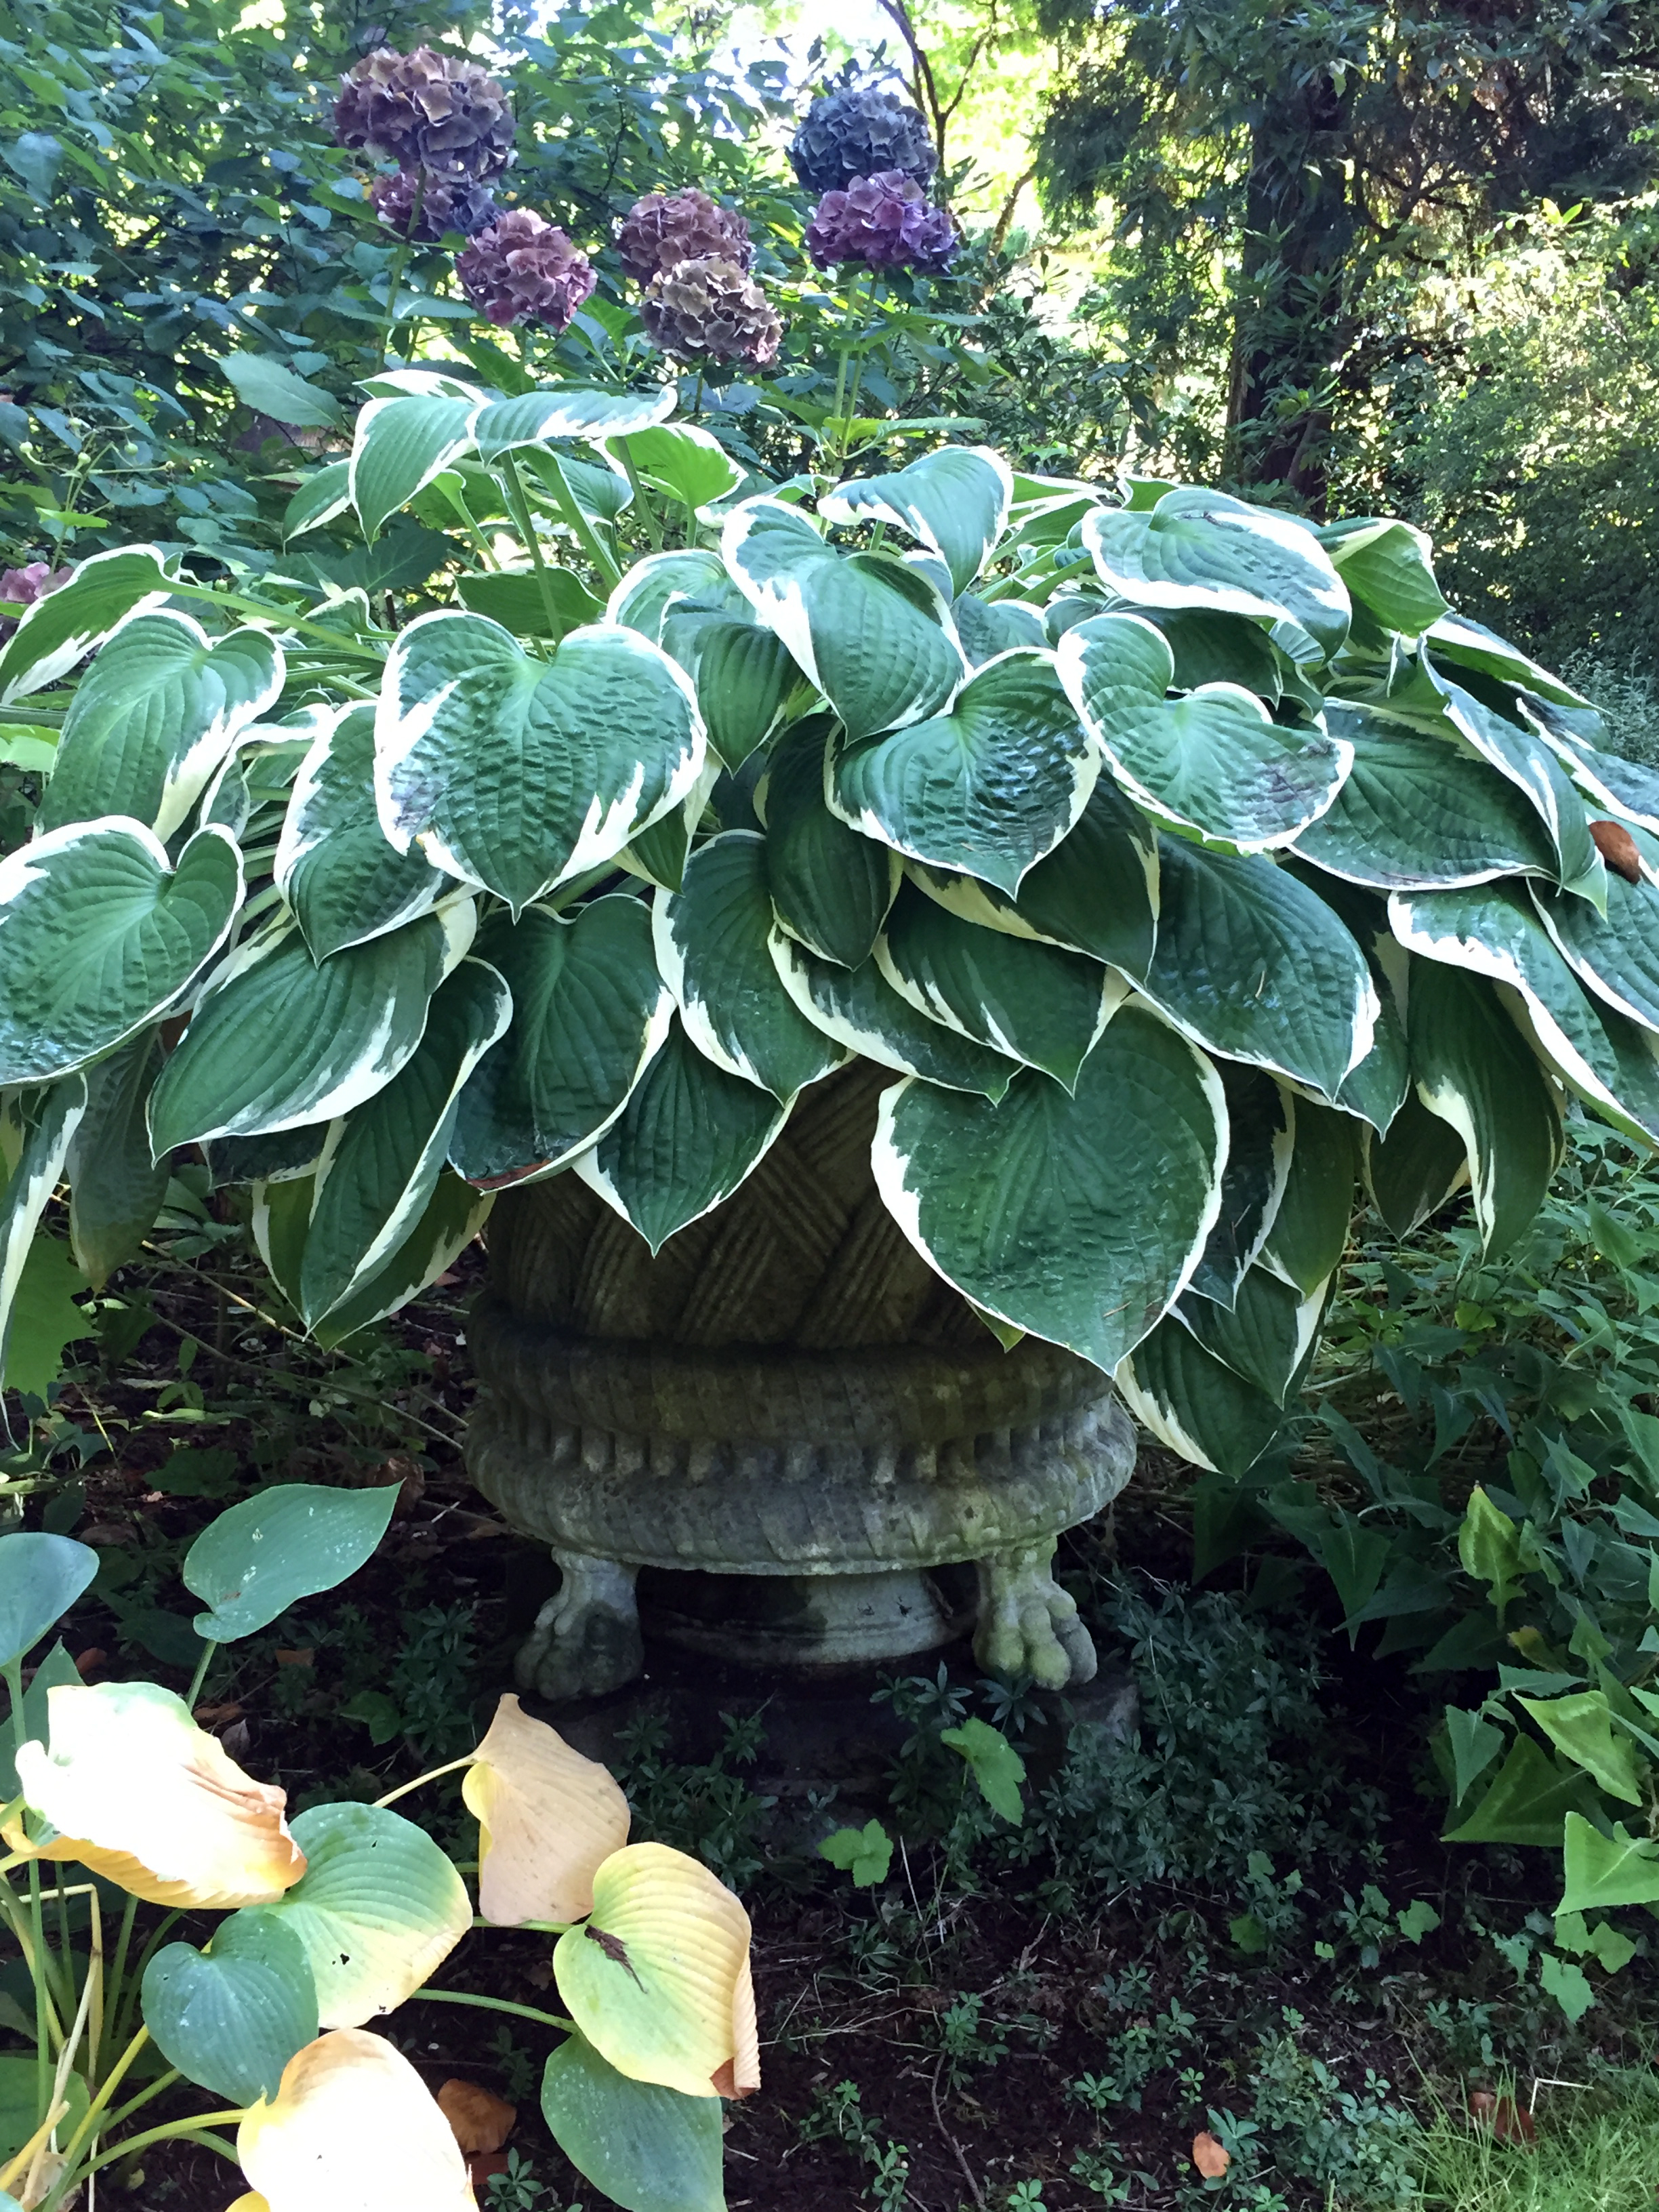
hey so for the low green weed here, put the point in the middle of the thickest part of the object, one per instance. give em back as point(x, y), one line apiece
point(1597, 2150)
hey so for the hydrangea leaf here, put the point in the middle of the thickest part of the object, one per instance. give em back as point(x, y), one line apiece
point(344, 882)
point(548, 1820)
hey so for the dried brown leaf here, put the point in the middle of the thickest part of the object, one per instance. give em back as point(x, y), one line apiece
point(482, 2120)
point(1211, 2158)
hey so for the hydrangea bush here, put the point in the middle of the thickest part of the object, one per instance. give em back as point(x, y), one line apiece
point(1182, 863)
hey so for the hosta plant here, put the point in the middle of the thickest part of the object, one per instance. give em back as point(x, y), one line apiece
point(1183, 863)
point(329, 1922)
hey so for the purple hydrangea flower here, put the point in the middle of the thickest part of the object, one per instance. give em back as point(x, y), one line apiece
point(447, 204)
point(21, 587)
point(882, 220)
point(709, 309)
point(428, 111)
point(524, 270)
point(863, 131)
point(666, 227)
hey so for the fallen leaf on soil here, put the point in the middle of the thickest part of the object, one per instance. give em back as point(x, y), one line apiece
point(1618, 849)
point(1209, 2157)
point(482, 2120)
point(1503, 2115)
point(484, 2164)
point(213, 1716)
point(307, 1657)
point(87, 1662)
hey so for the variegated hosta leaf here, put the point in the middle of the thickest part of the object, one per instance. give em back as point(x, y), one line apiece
point(675, 594)
point(1471, 645)
point(1201, 549)
point(1078, 1217)
point(1310, 1231)
point(1416, 814)
point(548, 1820)
point(745, 677)
point(401, 442)
point(591, 412)
point(344, 881)
point(1609, 1060)
point(1387, 566)
point(989, 788)
point(1260, 1126)
point(873, 636)
point(686, 1139)
point(353, 2126)
point(857, 1007)
point(1215, 760)
point(116, 1190)
point(59, 629)
point(50, 1120)
point(324, 495)
point(1267, 1335)
point(98, 934)
point(152, 717)
point(712, 939)
point(1473, 1068)
point(1252, 964)
point(1628, 789)
point(1209, 647)
point(1412, 1171)
point(831, 887)
point(1617, 956)
point(658, 1980)
point(278, 1041)
point(1195, 1403)
point(518, 772)
point(1531, 766)
point(454, 1214)
point(987, 628)
point(955, 501)
point(255, 775)
point(679, 460)
point(1031, 1001)
point(134, 1790)
point(374, 1183)
point(589, 1010)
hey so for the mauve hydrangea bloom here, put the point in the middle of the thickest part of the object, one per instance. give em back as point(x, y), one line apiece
point(428, 111)
point(447, 204)
point(21, 587)
point(666, 227)
point(711, 310)
point(883, 222)
point(524, 270)
point(863, 131)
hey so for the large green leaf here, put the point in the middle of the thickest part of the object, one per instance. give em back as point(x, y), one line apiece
point(645, 2147)
point(1531, 766)
point(1387, 565)
point(1261, 1139)
point(116, 1190)
point(1268, 1334)
point(1194, 1404)
point(1031, 1001)
point(41, 1576)
point(514, 598)
point(152, 717)
point(1604, 1871)
point(454, 1214)
point(1219, 648)
point(831, 887)
point(279, 1042)
point(1417, 814)
point(518, 772)
point(230, 2018)
point(1201, 549)
point(857, 1007)
point(324, 495)
point(1530, 1801)
point(988, 788)
point(1473, 1068)
point(402, 441)
point(680, 460)
point(50, 1120)
point(1470, 644)
point(287, 1542)
point(1496, 931)
point(872, 634)
point(1251, 963)
point(986, 627)
point(1415, 1167)
point(377, 1909)
point(589, 1010)
point(270, 387)
point(713, 946)
point(954, 501)
point(1214, 760)
point(1309, 1229)
point(587, 411)
point(344, 882)
point(745, 677)
point(1078, 1217)
point(59, 629)
point(686, 1139)
point(374, 1185)
point(1617, 957)
point(669, 596)
point(99, 935)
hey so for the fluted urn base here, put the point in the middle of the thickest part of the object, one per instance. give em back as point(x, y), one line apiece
point(787, 1391)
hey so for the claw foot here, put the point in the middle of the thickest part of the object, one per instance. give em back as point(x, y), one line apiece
point(587, 1637)
point(1027, 1624)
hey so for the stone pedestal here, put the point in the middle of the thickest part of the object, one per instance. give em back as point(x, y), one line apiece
point(787, 1391)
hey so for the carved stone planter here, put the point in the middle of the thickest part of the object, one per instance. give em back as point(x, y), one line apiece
point(786, 1393)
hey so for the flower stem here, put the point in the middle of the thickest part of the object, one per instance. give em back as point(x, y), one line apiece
point(399, 262)
point(838, 439)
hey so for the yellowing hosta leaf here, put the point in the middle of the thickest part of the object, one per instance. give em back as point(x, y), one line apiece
point(548, 1819)
point(658, 1980)
point(353, 2129)
point(141, 1794)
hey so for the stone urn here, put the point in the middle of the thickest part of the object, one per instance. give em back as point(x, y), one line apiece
point(785, 1437)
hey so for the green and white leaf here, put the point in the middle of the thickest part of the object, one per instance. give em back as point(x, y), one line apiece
point(857, 1007)
point(99, 935)
point(1412, 1171)
point(50, 1119)
point(153, 717)
point(1194, 1404)
point(1215, 760)
point(955, 502)
point(713, 945)
point(986, 627)
point(1252, 964)
point(831, 887)
point(680, 460)
point(1532, 768)
point(1267, 1336)
point(591, 412)
point(401, 443)
point(1617, 956)
point(278, 1041)
point(345, 884)
point(1389, 567)
point(1262, 1123)
point(745, 677)
point(988, 789)
point(590, 1012)
point(517, 773)
point(116, 1191)
point(691, 582)
point(1031, 1001)
point(324, 496)
point(688, 1136)
point(872, 635)
point(1309, 1232)
point(60, 629)
point(1456, 637)
point(454, 1214)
